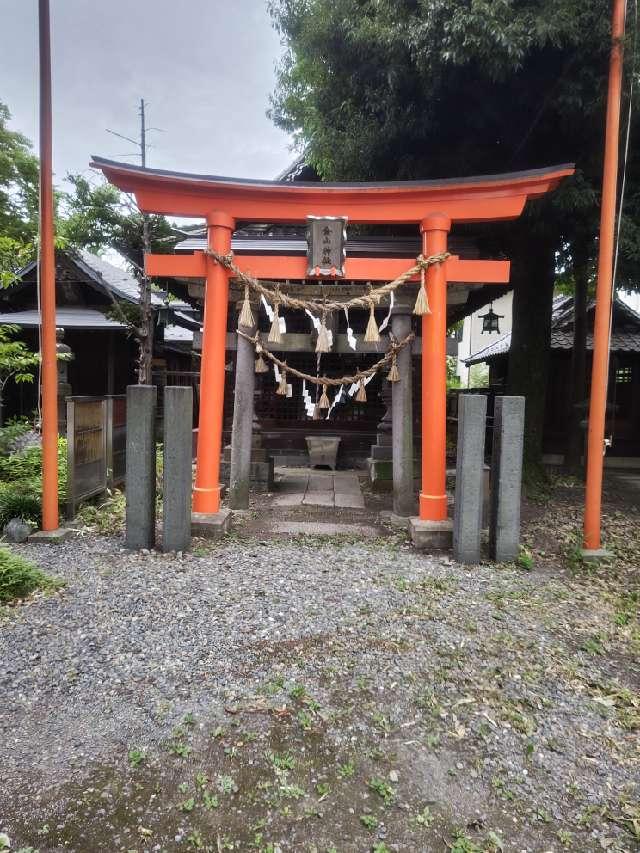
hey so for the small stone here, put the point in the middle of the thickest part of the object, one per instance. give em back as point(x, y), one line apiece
point(17, 530)
point(393, 776)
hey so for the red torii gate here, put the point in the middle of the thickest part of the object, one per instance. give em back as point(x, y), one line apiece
point(432, 205)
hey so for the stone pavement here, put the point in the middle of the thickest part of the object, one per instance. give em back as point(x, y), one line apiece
point(304, 487)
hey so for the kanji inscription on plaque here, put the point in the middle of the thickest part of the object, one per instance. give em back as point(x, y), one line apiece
point(326, 245)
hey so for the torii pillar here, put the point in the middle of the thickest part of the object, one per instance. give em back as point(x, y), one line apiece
point(208, 518)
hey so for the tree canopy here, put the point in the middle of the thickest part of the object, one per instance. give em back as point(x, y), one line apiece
point(97, 216)
point(384, 89)
point(18, 183)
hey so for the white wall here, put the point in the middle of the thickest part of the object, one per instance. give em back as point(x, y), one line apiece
point(474, 339)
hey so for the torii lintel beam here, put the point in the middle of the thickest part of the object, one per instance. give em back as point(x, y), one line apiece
point(473, 199)
point(294, 267)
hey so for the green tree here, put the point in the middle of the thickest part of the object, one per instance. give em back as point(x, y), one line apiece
point(17, 361)
point(384, 89)
point(98, 216)
point(18, 183)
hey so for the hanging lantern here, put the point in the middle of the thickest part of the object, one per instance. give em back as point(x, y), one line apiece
point(490, 321)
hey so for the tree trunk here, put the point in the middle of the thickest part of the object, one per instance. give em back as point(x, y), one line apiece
point(533, 276)
point(578, 375)
point(146, 322)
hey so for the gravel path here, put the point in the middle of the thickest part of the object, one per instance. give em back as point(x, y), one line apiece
point(472, 704)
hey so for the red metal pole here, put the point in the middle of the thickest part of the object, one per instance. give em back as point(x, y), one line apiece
point(433, 497)
point(206, 495)
point(602, 323)
point(49, 371)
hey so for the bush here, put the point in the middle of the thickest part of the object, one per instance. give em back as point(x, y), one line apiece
point(19, 577)
point(22, 500)
point(21, 483)
point(13, 429)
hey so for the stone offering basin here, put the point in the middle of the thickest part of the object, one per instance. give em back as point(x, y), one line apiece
point(323, 450)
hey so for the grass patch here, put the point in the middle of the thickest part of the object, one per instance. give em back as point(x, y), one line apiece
point(19, 577)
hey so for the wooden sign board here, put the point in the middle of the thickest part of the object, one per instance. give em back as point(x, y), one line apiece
point(326, 245)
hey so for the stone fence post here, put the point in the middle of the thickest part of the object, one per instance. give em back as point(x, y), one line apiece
point(177, 473)
point(141, 467)
point(506, 478)
point(467, 519)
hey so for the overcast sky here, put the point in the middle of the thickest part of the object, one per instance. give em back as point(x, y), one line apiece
point(204, 67)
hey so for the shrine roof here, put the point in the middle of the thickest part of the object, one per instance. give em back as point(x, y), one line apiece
point(625, 335)
point(467, 199)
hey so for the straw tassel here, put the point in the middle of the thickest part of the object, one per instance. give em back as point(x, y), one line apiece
point(282, 385)
point(372, 335)
point(361, 396)
point(261, 364)
point(322, 344)
point(324, 402)
point(422, 303)
point(246, 315)
point(393, 375)
point(274, 333)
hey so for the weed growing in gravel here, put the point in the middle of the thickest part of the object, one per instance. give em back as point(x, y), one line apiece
point(461, 843)
point(383, 789)
point(423, 818)
point(226, 784)
point(281, 760)
point(524, 560)
point(19, 577)
point(593, 645)
point(346, 770)
point(195, 840)
point(305, 720)
point(323, 789)
point(188, 805)
point(382, 722)
point(136, 756)
point(369, 821)
point(210, 800)
point(180, 748)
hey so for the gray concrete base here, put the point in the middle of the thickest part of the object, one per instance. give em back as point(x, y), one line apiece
point(380, 474)
point(211, 525)
point(595, 555)
point(431, 535)
point(50, 537)
point(393, 520)
point(261, 475)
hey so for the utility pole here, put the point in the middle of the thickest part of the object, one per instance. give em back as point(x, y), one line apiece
point(604, 287)
point(47, 284)
point(145, 330)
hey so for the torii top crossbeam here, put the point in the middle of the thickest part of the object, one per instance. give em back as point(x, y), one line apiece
point(474, 199)
point(432, 205)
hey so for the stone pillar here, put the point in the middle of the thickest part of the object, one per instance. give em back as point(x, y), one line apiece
point(141, 466)
point(242, 428)
point(177, 478)
point(506, 478)
point(467, 518)
point(404, 496)
point(64, 356)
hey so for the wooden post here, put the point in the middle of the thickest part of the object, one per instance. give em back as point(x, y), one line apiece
point(602, 328)
point(206, 497)
point(433, 497)
point(47, 287)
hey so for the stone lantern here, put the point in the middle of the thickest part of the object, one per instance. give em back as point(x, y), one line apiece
point(64, 356)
